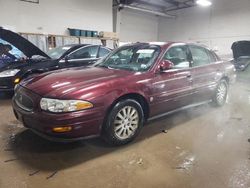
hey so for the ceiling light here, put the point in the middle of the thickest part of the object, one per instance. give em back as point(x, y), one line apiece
point(204, 3)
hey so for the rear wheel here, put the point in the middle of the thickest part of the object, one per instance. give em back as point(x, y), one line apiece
point(124, 122)
point(221, 93)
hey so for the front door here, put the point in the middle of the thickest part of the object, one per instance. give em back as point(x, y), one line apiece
point(173, 88)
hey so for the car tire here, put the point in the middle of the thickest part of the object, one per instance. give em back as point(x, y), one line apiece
point(124, 122)
point(221, 93)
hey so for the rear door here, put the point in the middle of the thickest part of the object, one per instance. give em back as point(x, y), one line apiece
point(173, 88)
point(204, 70)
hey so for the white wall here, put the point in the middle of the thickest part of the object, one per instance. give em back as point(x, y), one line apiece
point(55, 16)
point(137, 26)
point(218, 27)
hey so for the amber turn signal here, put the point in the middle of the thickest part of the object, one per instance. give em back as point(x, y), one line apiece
point(62, 129)
point(17, 80)
point(83, 105)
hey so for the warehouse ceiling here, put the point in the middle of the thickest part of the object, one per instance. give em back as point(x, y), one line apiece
point(162, 6)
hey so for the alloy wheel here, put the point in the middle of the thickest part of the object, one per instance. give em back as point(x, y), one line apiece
point(126, 122)
point(221, 93)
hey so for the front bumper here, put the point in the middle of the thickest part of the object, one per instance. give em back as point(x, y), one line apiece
point(85, 124)
point(7, 84)
point(63, 140)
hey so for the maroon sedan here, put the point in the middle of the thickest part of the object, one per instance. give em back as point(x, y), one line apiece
point(114, 98)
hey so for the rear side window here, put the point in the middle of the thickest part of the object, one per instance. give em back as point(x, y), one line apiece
point(200, 56)
point(178, 55)
point(85, 53)
point(103, 52)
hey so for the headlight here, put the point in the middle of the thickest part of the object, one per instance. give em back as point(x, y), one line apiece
point(16, 87)
point(9, 73)
point(58, 106)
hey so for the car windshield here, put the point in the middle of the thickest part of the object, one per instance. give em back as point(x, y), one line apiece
point(57, 52)
point(137, 58)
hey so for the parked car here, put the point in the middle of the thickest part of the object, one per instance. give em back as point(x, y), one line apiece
point(19, 58)
point(114, 98)
point(241, 54)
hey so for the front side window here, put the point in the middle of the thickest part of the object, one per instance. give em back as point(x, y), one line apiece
point(178, 55)
point(85, 53)
point(134, 58)
point(200, 56)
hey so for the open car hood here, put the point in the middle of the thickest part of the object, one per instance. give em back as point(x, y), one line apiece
point(21, 43)
point(241, 49)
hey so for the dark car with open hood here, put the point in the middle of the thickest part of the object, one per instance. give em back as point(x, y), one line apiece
point(19, 58)
point(114, 97)
point(241, 54)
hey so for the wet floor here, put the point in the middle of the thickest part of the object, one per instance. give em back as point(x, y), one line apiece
point(199, 147)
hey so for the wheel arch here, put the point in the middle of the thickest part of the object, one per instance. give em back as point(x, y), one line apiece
point(226, 78)
point(135, 96)
point(107, 132)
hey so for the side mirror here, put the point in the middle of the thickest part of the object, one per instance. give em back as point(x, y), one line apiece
point(165, 65)
point(66, 58)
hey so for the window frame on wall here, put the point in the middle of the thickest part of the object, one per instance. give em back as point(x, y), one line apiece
point(31, 1)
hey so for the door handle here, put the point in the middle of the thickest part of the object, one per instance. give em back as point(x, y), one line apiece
point(189, 76)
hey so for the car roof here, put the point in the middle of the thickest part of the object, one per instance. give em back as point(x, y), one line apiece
point(71, 45)
point(160, 44)
point(167, 44)
point(75, 45)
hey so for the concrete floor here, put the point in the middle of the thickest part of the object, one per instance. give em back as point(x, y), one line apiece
point(203, 147)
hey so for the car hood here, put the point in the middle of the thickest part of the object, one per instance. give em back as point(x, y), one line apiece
point(13, 65)
point(24, 64)
point(64, 82)
point(241, 49)
point(21, 43)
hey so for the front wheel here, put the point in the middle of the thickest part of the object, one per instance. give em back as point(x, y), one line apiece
point(124, 122)
point(221, 93)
